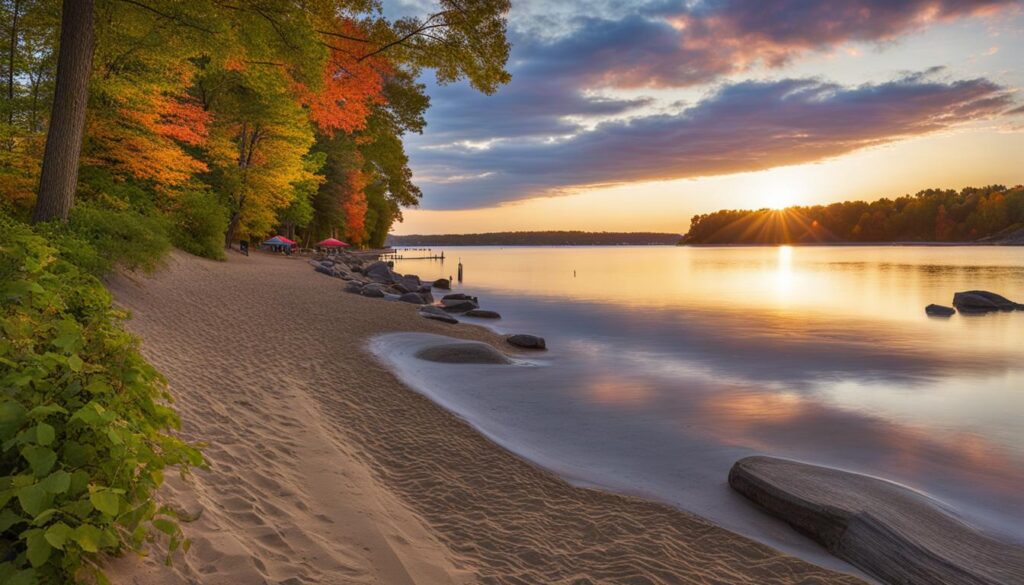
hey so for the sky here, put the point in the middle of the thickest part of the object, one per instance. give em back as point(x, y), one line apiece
point(634, 116)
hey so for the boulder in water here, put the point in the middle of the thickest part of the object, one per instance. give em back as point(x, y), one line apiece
point(442, 283)
point(468, 352)
point(934, 310)
point(430, 312)
point(983, 301)
point(894, 533)
point(527, 341)
point(458, 306)
point(460, 297)
point(483, 314)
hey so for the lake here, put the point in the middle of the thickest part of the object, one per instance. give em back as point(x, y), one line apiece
point(667, 364)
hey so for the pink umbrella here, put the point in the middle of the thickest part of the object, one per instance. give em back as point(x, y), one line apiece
point(331, 243)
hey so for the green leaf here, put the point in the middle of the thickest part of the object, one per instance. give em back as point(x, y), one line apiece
point(105, 501)
point(75, 363)
point(166, 526)
point(57, 482)
point(58, 534)
point(23, 577)
point(12, 414)
point(88, 537)
point(33, 499)
point(98, 387)
point(45, 434)
point(46, 410)
point(38, 548)
point(41, 459)
point(9, 518)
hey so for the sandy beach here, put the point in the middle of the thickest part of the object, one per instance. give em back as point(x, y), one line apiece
point(326, 469)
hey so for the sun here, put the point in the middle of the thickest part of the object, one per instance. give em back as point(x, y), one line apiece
point(776, 194)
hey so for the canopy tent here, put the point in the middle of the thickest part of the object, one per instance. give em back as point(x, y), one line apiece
point(331, 243)
point(278, 241)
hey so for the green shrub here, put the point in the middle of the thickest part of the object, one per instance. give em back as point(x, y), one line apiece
point(84, 422)
point(99, 239)
point(198, 223)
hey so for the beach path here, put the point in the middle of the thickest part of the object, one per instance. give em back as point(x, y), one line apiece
point(326, 469)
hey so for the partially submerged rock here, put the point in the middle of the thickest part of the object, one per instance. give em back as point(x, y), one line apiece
point(430, 312)
point(442, 283)
point(460, 297)
point(457, 306)
point(526, 341)
point(939, 311)
point(483, 314)
point(469, 352)
point(885, 529)
point(983, 301)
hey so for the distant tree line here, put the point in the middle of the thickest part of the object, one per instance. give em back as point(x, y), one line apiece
point(933, 215)
point(552, 238)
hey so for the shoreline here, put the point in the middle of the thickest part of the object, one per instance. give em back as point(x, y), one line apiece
point(274, 355)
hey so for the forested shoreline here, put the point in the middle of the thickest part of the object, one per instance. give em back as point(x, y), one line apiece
point(992, 214)
point(128, 127)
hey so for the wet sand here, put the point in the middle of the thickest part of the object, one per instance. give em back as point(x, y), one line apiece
point(326, 469)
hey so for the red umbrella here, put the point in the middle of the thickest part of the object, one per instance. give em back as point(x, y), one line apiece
point(332, 243)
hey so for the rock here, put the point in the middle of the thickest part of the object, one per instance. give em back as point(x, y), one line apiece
point(527, 341)
point(939, 311)
point(894, 533)
point(404, 289)
point(411, 297)
point(456, 306)
point(469, 352)
point(325, 270)
point(483, 314)
point(430, 312)
point(460, 297)
point(371, 292)
point(380, 272)
point(975, 301)
point(442, 283)
point(354, 286)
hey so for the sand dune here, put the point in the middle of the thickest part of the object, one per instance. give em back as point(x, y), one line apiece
point(326, 469)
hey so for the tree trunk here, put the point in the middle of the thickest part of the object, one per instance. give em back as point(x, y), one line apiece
point(67, 120)
point(229, 235)
point(10, 61)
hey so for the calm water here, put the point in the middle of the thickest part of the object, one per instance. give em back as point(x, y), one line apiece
point(667, 364)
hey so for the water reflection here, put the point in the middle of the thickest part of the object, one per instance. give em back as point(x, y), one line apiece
point(668, 364)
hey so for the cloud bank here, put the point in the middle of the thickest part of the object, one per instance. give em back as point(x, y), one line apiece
point(537, 136)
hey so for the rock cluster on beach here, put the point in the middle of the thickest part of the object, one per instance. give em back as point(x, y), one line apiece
point(974, 302)
point(885, 529)
point(377, 279)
